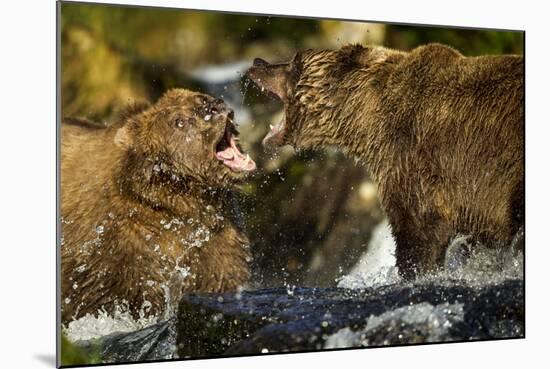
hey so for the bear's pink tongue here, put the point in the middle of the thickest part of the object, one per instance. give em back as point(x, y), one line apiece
point(234, 159)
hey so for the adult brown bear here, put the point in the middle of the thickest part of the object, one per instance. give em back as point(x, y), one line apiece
point(441, 134)
point(145, 206)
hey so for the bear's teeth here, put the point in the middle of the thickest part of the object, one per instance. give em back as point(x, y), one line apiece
point(246, 160)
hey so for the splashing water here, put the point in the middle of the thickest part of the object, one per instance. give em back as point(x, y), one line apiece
point(89, 326)
point(485, 266)
point(429, 321)
point(377, 266)
point(246, 84)
point(121, 320)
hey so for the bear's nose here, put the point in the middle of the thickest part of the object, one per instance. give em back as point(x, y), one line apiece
point(227, 114)
point(218, 104)
point(230, 114)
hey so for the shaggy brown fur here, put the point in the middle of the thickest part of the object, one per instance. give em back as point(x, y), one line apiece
point(442, 135)
point(145, 210)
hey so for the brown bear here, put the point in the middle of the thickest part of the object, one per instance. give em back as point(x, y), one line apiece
point(441, 134)
point(145, 206)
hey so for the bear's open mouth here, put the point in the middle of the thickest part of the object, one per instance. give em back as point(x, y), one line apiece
point(277, 133)
point(229, 154)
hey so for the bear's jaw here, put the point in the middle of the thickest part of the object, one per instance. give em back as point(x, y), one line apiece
point(229, 153)
point(276, 135)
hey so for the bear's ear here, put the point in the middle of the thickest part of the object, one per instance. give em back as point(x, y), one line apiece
point(122, 137)
point(273, 78)
point(127, 118)
point(355, 56)
point(132, 109)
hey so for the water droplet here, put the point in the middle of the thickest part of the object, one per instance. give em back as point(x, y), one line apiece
point(99, 229)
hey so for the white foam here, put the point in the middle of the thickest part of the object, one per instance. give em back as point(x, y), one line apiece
point(102, 324)
point(436, 320)
point(377, 265)
point(484, 265)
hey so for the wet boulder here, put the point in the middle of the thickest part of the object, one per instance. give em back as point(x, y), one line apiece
point(155, 342)
point(303, 319)
point(308, 319)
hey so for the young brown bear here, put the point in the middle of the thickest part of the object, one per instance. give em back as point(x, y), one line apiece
point(441, 134)
point(145, 207)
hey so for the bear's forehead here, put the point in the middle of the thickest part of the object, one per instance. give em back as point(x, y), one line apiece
point(180, 96)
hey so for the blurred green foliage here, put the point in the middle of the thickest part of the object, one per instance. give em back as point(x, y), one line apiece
point(248, 28)
point(74, 355)
point(469, 42)
point(153, 32)
point(112, 54)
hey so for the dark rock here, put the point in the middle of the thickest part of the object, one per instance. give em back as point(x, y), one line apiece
point(305, 319)
point(275, 320)
point(155, 342)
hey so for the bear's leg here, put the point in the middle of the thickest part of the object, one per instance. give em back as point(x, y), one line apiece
point(106, 287)
point(419, 246)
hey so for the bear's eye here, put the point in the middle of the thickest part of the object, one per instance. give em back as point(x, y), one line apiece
point(199, 100)
point(182, 122)
point(179, 122)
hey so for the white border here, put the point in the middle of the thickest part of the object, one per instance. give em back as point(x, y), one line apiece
point(27, 152)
